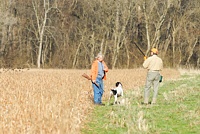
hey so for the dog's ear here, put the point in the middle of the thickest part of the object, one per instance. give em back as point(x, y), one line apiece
point(117, 84)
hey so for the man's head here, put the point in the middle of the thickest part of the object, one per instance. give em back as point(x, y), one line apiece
point(154, 51)
point(99, 57)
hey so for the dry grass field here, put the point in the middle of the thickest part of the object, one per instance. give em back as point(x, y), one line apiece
point(56, 101)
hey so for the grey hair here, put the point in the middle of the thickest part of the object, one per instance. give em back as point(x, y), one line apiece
point(99, 55)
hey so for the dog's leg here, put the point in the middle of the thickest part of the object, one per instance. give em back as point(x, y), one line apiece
point(111, 94)
point(115, 99)
point(109, 98)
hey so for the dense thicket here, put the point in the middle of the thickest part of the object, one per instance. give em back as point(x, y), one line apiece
point(69, 33)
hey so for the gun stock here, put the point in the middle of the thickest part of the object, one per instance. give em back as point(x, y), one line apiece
point(86, 76)
point(89, 78)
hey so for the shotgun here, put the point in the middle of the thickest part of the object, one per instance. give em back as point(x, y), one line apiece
point(139, 49)
point(89, 78)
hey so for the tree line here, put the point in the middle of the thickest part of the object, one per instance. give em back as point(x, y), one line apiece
point(70, 33)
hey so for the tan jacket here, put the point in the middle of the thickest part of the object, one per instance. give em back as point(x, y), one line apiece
point(153, 63)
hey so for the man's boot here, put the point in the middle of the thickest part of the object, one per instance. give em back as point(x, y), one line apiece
point(146, 100)
point(154, 101)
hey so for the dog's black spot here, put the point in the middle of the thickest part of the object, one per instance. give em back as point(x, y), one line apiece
point(114, 91)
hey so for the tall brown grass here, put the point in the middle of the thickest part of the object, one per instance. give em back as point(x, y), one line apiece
point(56, 101)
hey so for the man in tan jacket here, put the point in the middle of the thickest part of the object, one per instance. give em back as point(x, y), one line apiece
point(154, 65)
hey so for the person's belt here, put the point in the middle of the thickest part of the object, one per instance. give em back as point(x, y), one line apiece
point(154, 70)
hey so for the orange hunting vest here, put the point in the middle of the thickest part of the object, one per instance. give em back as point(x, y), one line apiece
point(94, 70)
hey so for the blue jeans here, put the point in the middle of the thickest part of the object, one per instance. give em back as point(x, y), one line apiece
point(98, 90)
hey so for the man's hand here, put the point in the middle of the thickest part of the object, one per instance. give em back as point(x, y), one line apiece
point(94, 82)
point(145, 57)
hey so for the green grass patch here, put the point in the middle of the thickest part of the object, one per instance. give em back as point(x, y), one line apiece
point(176, 112)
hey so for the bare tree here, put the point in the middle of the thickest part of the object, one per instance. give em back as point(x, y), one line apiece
point(155, 13)
point(7, 23)
point(121, 22)
point(41, 19)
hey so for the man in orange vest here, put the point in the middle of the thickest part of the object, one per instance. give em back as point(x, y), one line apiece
point(98, 74)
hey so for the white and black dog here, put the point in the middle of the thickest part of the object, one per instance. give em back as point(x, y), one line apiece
point(116, 92)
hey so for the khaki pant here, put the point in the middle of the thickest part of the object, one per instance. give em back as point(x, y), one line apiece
point(152, 79)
